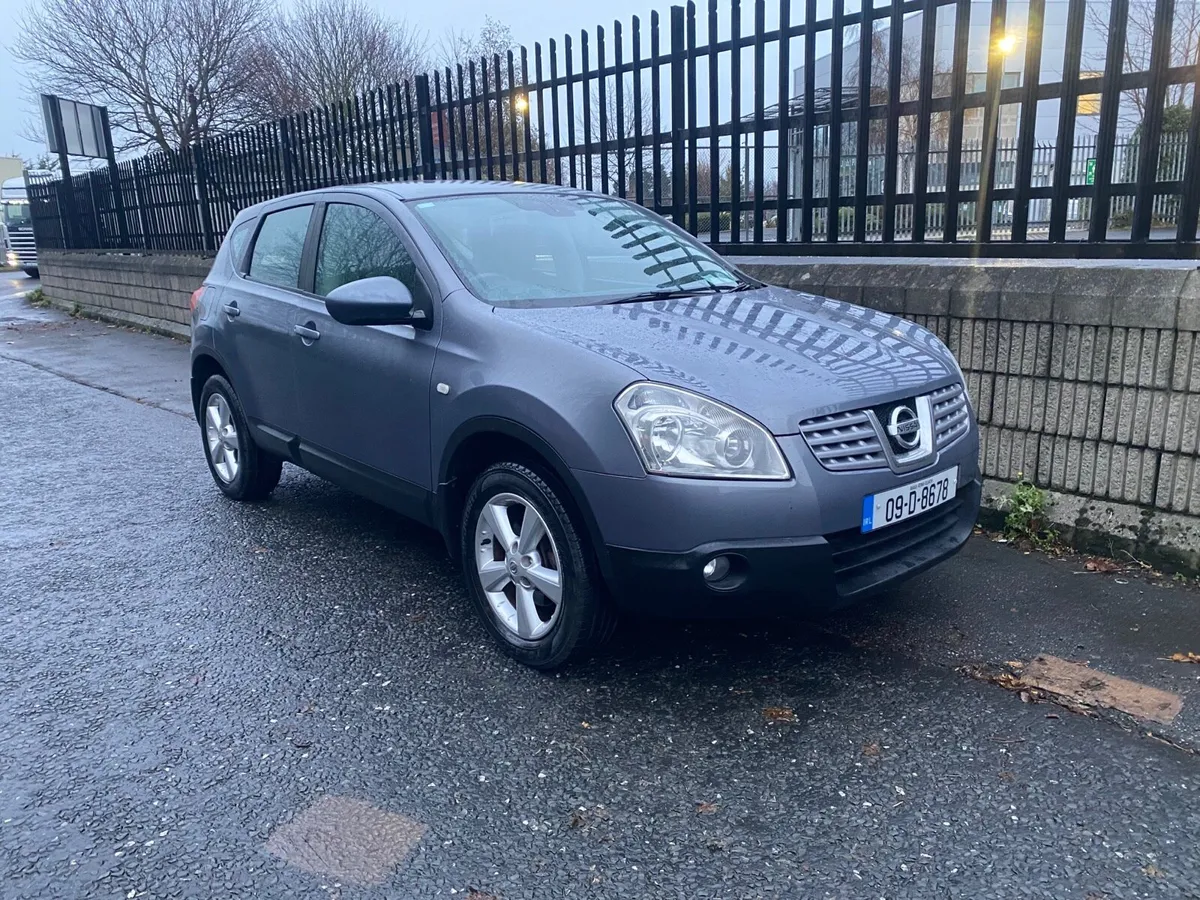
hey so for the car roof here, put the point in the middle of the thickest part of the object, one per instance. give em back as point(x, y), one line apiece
point(421, 190)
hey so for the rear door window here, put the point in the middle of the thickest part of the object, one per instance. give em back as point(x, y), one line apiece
point(280, 246)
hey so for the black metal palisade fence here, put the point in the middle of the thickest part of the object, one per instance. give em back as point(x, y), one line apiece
point(684, 127)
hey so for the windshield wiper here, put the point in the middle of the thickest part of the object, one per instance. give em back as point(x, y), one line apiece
point(684, 293)
point(666, 294)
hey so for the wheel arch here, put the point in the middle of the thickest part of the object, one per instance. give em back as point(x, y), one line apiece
point(204, 365)
point(480, 442)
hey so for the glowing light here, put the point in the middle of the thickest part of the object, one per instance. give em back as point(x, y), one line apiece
point(522, 104)
point(1007, 44)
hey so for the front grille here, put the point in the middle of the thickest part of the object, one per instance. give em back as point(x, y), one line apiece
point(861, 561)
point(22, 244)
point(951, 414)
point(844, 442)
point(849, 441)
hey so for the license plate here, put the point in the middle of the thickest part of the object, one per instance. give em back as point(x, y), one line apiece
point(889, 507)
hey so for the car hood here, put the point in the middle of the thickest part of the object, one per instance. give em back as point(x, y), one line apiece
point(781, 356)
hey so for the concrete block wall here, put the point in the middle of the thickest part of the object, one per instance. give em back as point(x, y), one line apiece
point(1085, 379)
point(146, 290)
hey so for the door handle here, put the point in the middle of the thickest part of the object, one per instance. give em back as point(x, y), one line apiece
point(231, 310)
point(307, 333)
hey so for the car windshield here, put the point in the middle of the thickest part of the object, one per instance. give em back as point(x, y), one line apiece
point(540, 248)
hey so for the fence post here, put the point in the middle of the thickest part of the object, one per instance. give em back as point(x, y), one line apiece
point(140, 199)
point(95, 197)
point(425, 127)
point(285, 150)
point(114, 178)
point(678, 113)
point(206, 225)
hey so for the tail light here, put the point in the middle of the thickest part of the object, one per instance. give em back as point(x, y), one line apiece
point(195, 299)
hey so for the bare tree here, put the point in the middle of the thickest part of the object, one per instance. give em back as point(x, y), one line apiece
point(490, 123)
point(326, 51)
point(459, 46)
point(622, 120)
point(1139, 35)
point(910, 81)
point(171, 72)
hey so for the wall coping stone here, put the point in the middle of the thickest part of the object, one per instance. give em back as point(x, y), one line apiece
point(1124, 294)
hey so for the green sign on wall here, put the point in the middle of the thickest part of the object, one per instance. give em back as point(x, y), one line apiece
point(1090, 172)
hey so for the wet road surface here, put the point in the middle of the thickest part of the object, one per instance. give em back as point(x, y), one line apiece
point(206, 699)
point(15, 284)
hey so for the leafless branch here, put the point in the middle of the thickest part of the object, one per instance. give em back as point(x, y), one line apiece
point(171, 72)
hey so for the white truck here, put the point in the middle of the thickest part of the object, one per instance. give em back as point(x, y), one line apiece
point(16, 227)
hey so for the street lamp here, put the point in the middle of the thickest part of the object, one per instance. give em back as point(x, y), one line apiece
point(1006, 44)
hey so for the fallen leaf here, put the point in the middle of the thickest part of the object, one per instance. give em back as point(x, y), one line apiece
point(1188, 657)
point(473, 894)
point(1102, 565)
point(780, 715)
point(705, 808)
point(1007, 776)
point(1153, 871)
point(871, 749)
point(585, 724)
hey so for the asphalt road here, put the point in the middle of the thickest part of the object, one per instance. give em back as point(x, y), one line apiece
point(14, 284)
point(188, 684)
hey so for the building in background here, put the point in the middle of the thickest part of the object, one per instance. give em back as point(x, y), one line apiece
point(11, 167)
point(1012, 49)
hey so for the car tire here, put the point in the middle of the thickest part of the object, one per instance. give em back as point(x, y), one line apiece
point(31, 272)
point(550, 631)
point(241, 469)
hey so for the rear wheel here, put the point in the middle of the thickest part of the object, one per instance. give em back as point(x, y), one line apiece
point(241, 469)
point(528, 568)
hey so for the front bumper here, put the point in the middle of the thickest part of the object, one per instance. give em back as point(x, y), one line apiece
point(796, 545)
point(792, 576)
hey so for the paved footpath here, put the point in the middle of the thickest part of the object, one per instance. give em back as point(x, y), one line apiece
point(204, 699)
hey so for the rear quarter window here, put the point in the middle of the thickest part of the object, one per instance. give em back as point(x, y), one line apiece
point(279, 247)
point(236, 243)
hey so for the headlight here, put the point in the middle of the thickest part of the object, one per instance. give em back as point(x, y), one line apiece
point(677, 432)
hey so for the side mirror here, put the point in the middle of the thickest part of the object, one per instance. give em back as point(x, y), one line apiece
point(381, 300)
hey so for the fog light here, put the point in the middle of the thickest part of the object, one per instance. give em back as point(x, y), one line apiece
point(716, 568)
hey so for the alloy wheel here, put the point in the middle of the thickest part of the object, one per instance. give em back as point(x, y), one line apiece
point(224, 445)
point(519, 566)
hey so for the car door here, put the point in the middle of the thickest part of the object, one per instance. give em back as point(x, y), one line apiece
point(258, 308)
point(364, 389)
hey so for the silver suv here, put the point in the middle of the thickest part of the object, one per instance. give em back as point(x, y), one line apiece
point(594, 410)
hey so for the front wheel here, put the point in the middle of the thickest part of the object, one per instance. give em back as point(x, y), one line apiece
point(241, 469)
point(528, 569)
